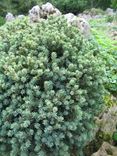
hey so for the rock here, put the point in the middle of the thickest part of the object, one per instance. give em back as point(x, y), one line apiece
point(43, 12)
point(84, 26)
point(34, 14)
point(70, 18)
point(106, 126)
point(9, 17)
point(108, 121)
point(110, 11)
point(98, 16)
point(106, 150)
point(81, 23)
point(20, 16)
point(114, 34)
point(47, 9)
point(85, 16)
point(57, 12)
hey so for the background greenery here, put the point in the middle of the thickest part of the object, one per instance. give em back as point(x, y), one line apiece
point(22, 7)
point(102, 34)
point(75, 6)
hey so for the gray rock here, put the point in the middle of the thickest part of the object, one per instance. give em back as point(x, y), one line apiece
point(110, 11)
point(43, 12)
point(85, 16)
point(57, 12)
point(71, 18)
point(34, 14)
point(79, 22)
point(20, 16)
point(47, 9)
point(9, 17)
point(84, 26)
point(98, 16)
point(106, 150)
point(108, 122)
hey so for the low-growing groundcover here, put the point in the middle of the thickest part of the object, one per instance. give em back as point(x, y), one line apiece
point(102, 33)
point(51, 87)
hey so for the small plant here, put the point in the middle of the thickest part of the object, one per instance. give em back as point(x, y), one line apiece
point(2, 20)
point(110, 101)
point(110, 18)
point(114, 137)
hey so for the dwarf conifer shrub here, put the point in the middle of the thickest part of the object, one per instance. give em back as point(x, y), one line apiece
point(51, 87)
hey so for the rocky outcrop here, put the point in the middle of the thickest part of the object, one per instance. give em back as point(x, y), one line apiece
point(110, 11)
point(57, 12)
point(10, 17)
point(106, 126)
point(47, 9)
point(34, 14)
point(43, 11)
point(71, 18)
point(84, 26)
point(79, 22)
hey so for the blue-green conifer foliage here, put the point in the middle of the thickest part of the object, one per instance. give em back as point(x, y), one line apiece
point(51, 87)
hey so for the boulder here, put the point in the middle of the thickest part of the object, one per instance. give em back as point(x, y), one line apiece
point(57, 12)
point(106, 126)
point(47, 9)
point(108, 121)
point(71, 18)
point(20, 16)
point(79, 22)
point(9, 17)
point(34, 14)
point(106, 150)
point(84, 26)
point(110, 11)
point(43, 12)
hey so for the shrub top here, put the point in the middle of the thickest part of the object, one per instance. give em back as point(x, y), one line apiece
point(51, 88)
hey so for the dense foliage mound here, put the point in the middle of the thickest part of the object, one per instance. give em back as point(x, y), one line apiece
point(51, 88)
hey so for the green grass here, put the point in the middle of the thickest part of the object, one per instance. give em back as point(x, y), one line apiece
point(2, 20)
point(102, 33)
